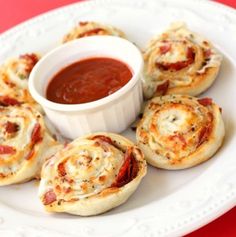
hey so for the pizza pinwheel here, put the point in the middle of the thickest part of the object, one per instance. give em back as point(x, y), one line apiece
point(180, 131)
point(179, 62)
point(24, 144)
point(91, 175)
point(18, 69)
point(90, 28)
point(14, 74)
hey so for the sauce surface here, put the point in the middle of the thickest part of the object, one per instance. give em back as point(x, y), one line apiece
point(88, 80)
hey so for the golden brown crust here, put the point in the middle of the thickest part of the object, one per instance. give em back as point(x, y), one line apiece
point(25, 143)
point(178, 132)
point(91, 28)
point(179, 62)
point(14, 75)
point(19, 68)
point(82, 178)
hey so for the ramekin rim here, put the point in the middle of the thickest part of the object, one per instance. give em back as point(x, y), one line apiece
point(44, 102)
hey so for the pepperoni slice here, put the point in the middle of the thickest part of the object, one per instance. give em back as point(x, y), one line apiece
point(92, 32)
point(36, 134)
point(162, 89)
point(49, 197)
point(179, 65)
point(205, 101)
point(207, 53)
point(8, 101)
point(205, 131)
point(103, 138)
point(61, 169)
point(203, 135)
point(190, 55)
point(11, 127)
point(4, 149)
point(165, 48)
point(128, 170)
point(31, 59)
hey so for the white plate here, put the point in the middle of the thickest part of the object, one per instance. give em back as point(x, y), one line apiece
point(167, 203)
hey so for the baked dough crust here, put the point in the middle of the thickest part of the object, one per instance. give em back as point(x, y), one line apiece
point(25, 144)
point(14, 75)
point(82, 178)
point(179, 62)
point(180, 131)
point(19, 68)
point(90, 28)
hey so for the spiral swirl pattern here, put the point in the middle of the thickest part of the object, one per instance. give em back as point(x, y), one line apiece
point(178, 131)
point(179, 62)
point(24, 144)
point(90, 28)
point(18, 69)
point(14, 74)
point(89, 171)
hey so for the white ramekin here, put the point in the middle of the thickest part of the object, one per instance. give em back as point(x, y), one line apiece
point(113, 113)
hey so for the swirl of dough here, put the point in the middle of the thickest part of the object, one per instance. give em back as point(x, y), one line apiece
point(18, 69)
point(180, 131)
point(14, 74)
point(179, 62)
point(90, 28)
point(24, 144)
point(91, 175)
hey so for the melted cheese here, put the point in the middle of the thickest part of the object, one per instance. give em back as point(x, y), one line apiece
point(11, 86)
point(18, 166)
point(177, 53)
point(18, 69)
point(178, 131)
point(90, 165)
point(194, 77)
point(173, 125)
point(85, 28)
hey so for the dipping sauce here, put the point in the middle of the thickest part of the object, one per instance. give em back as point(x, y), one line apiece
point(88, 80)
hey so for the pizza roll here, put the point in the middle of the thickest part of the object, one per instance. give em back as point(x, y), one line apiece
point(9, 90)
point(179, 62)
point(180, 131)
point(14, 76)
point(91, 175)
point(18, 69)
point(25, 143)
point(90, 28)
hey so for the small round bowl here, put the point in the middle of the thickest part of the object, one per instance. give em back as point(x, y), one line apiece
point(113, 113)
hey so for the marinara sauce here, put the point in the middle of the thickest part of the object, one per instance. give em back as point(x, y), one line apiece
point(88, 80)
